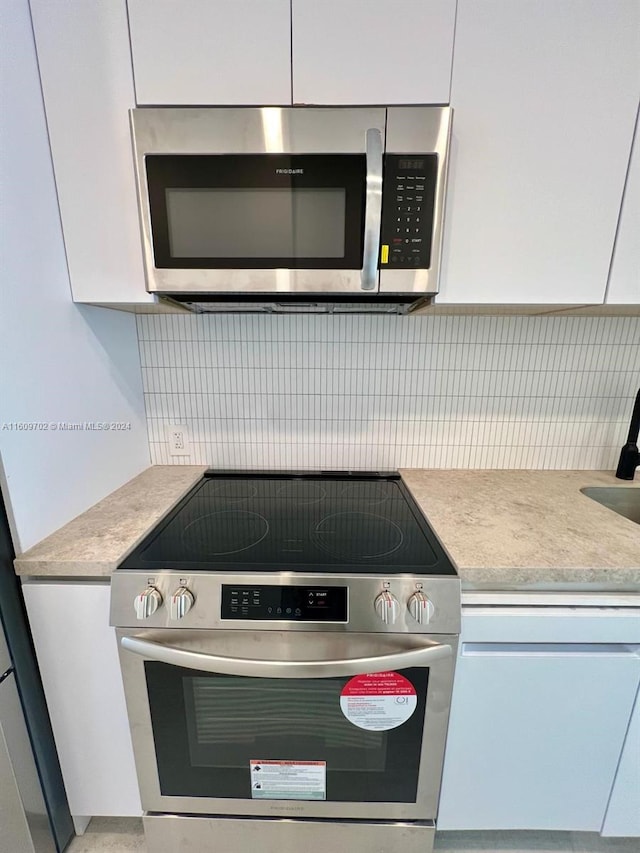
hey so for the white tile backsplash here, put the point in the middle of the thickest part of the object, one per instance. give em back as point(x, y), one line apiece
point(311, 392)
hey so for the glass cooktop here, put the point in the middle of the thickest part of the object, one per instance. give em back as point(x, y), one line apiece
point(283, 522)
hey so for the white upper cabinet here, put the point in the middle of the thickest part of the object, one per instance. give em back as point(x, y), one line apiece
point(372, 51)
point(201, 52)
point(545, 97)
point(85, 69)
point(624, 280)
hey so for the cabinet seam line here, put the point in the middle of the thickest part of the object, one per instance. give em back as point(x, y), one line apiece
point(625, 187)
point(48, 132)
point(133, 70)
point(453, 51)
point(291, 51)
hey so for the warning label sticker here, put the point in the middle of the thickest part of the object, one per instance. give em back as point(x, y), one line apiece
point(378, 701)
point(288, 780)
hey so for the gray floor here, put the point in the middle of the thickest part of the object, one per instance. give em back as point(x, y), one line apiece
point(124, 835)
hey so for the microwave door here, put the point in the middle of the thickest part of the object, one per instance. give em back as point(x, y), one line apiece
point(302, 217)
point(269, 223)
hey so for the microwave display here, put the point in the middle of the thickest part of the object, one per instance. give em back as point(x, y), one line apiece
point(411, 165)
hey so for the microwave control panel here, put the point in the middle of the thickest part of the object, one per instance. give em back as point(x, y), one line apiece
point(408, 196)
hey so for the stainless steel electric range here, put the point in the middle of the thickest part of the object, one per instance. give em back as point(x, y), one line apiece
point(287, 644)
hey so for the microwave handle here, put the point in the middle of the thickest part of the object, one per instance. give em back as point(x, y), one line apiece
point(372, 210)
point(284, 668)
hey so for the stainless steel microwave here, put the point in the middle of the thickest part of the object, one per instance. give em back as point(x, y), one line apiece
point(292, 206)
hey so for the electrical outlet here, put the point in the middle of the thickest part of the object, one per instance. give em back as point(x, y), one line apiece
point(178, 439)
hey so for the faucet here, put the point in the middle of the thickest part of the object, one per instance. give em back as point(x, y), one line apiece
point(629, 455)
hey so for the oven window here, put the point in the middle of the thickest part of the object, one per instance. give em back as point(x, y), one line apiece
point(207, 728)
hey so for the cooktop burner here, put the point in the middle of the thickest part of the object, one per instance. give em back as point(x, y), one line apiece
point(283, 522)
point(225, 532)
point(358, 535)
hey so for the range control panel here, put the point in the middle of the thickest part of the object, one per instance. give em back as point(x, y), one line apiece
point(291, 603)
point(409, 187)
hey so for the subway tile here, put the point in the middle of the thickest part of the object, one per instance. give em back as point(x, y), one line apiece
point(358, 391)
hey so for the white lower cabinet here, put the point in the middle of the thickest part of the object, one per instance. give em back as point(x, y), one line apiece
point(78, 659)
point(541, 706)
point(623, 812)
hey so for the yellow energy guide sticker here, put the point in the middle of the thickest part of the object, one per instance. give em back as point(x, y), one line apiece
point(384, 255)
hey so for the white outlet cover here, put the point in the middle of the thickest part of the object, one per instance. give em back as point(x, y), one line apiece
point(178, 439)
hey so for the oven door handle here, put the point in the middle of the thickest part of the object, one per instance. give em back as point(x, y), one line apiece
point(372, 210)
point(286, 668)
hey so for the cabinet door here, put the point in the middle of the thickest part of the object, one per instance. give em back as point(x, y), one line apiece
point(623, 812)
point(536, 728)
point(78, 658)
point(211, 51)
point(85, 69)
point(624, 280)
point(372, 51)
point(545, 98)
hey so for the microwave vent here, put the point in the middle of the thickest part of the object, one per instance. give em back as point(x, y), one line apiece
point(295, 306)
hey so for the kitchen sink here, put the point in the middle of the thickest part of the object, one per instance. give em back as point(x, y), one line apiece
point(623, 500)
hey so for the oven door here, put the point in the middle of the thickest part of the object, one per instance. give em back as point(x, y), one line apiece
point(277, 723)
point(267, 201)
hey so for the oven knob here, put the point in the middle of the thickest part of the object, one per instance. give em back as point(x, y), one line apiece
point(147, 602)
point(182, 601)
point(420, 608)
point(387, 607)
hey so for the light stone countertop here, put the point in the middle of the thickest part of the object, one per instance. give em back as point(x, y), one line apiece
point(505, 530)
point(529, 529)
point(94, 543)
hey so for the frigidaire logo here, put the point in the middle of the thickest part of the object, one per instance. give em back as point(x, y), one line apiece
point(289, 171)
